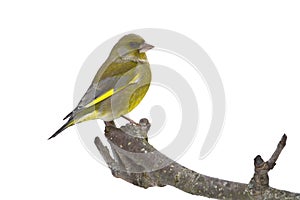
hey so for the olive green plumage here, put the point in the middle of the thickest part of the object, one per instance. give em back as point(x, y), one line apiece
point(119, 85)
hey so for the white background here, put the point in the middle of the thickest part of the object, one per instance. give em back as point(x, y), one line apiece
point(255, 47)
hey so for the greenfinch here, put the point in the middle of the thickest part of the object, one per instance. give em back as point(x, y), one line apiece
point(119, 85)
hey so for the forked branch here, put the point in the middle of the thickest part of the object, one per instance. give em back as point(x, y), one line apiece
point(136, 161)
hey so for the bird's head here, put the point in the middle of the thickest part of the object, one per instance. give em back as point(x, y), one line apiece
point(130, 45)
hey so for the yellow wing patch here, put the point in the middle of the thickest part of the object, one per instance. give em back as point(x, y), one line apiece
point(110, 92)
point(101, 98)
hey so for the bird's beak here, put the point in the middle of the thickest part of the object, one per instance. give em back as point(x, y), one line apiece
point(145, 47)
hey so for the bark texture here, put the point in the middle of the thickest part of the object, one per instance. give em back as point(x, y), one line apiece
point(131, 158)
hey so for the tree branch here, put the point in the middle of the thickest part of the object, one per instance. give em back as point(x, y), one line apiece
point(136, 161)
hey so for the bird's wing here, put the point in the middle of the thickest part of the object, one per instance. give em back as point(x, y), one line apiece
point(101, 90)
point(106, 88)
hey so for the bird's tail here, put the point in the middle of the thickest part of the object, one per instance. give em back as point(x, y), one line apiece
point(66, 125)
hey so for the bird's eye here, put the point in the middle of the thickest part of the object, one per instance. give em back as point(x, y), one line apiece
point(134, 45)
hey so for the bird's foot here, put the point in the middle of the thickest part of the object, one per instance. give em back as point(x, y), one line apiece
point(110, 123)
point(130, 120)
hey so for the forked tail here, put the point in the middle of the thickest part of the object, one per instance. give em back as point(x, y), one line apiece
point(66, 125)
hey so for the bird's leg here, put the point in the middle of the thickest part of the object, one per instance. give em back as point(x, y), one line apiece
point(110, 123)
point(130, 120)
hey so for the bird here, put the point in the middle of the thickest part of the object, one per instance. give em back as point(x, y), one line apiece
point(119, 85)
